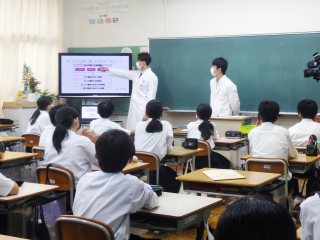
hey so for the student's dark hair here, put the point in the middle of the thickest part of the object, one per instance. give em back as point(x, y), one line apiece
point(204, 112)
point(114, 148)
point(105, 108)
point(255, 218)
point(307, 108)
point(220, 63)
point(154, 110)
point(144, 56)
point(64, 119)
point(52, 113)
point(268, 111)
point(42, 103)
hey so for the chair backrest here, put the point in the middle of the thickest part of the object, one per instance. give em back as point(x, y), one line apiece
point(31, 139)
point(205, 150)
point(59, 176)
point(269, 165)
point(80, 228)
point(152, 159)
point(40, 151)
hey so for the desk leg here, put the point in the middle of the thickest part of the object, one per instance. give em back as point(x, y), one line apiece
point(200, 229)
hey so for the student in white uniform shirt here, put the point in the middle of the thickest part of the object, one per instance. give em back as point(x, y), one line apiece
point(310, 218)
point(109, 195)
point(67, 148)
point(202, 129)
point(103, 124)
point(300, 132)
point(224, 99)
point(272, 141)
point(7, 186)
point(144, 87)
point(40, 118)
point(48, 131)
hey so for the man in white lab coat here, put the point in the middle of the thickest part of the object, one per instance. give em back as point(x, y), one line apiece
point(144, 87)
point(224, 99)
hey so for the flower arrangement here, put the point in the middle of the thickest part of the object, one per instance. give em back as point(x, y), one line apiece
point(29, 81)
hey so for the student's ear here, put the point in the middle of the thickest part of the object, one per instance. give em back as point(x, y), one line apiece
point(197, 116)
point(130, 159)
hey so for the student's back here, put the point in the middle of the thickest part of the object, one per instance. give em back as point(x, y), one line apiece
point(67, 148)
point(310, 218)
point(109, 195)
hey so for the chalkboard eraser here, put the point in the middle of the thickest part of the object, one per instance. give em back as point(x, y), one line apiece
point(165, 108)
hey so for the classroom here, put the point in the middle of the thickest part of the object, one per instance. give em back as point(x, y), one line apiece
point(81, 79)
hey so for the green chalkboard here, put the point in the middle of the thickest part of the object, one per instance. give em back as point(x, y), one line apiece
point(121, 104)
point(262, 67)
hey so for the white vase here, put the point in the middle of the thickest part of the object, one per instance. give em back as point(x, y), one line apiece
point(32, 97)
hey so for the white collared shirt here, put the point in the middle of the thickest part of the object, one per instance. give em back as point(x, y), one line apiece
point(77, 154)
point(158, 142)
point(301, 131)
point(46, 135)
point(271, 141)
point(111, 197)
point(224, 99)
point(40, 124)
point(6, 185)
point(193, 132)
point(102, 125)
point(310, 218)
point(144, 89)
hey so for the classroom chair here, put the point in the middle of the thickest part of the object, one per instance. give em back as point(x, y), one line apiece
point(152, 159)
point(60, 176)
point(40, 151)
point(31, 140)
point(271, 165)
point(73, 227)
point(205, 151)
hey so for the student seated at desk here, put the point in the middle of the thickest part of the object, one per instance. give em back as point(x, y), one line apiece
point(202, 129)
point(48, 131)
point(7, 186)
point(67, 148)
point(300, 132)
point(40, 118)
point(156, 136)
point(255, 218)
point(310, 218)
point(110, 195)
point(103, 124)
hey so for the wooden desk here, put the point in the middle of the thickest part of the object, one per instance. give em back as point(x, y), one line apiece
point(17, 204)
point(300, 164)
point(13, 164)
point(183, 154)
point(5, 237)
point(135, 167)
point(175, 213)
point(5, 127)
point(8, 139)
point(198, 182)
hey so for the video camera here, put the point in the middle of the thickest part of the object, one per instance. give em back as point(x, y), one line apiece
point(311, 72)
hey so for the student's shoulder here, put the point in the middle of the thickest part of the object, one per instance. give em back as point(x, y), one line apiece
point(281, 129)
point(315, 199)
point(166, 123)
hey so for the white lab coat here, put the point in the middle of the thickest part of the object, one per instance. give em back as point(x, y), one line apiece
point(301, 132)
point(224, 99)
point(111, 197)
point(144, 89)
point(158, 143)
point(46, 135)
point(40, 124)
point(193, 132)
point(102, 125)
point(310, 218)
point(6, 185)
point(77, 154)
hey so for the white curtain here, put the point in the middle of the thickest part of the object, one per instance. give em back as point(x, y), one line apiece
point(30, 33)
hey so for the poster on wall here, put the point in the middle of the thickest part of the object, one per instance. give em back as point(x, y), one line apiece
point(101, 12)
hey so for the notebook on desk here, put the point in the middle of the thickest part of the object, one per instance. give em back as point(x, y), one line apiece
point(222, 174)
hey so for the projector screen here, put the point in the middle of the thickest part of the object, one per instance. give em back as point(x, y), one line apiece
point(80, 74)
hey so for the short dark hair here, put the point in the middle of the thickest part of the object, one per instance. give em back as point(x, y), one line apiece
point(52, 113)
point(255, 218)
point(144, 56)
point(105, 108)
point(220, 63)
point(114, 148)
point(307, 108)
point(268, 111)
